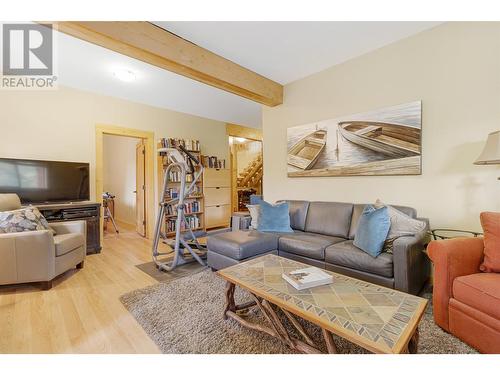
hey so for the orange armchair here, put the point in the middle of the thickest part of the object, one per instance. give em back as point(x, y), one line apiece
point(466, 300)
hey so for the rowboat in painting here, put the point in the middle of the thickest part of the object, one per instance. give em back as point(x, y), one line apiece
point(306, 151)
point(393, 140)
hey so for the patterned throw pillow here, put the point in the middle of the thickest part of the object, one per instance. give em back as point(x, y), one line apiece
point(402, 225)
point(23, 220)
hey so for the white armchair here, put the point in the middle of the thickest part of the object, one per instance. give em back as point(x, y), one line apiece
point(39, 256)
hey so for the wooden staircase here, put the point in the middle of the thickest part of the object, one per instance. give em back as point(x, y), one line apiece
point(251, 176)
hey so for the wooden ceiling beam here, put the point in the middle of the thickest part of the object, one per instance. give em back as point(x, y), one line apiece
point(150, 43)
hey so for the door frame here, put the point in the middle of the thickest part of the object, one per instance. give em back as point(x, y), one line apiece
point(148, 138)
point(140, 187)
point(233, 130)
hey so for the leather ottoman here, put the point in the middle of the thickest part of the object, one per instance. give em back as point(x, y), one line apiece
point(230, 248)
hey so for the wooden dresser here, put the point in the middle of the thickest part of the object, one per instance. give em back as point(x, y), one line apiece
point(217, 191)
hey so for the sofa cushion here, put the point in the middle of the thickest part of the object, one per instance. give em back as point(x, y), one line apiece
point(298, 214)
point(480, 291)
point(490, 221)
point(242, 244)
point(329, 218)
point(307, 244)
point(65, 243)
point(347, 255)
point(358, 210)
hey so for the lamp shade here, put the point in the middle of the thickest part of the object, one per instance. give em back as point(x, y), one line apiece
point(491, 151)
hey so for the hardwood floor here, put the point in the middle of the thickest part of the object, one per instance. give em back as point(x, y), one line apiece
point(81, 313)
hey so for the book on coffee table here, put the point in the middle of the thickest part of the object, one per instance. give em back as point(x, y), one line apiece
point(307, 278)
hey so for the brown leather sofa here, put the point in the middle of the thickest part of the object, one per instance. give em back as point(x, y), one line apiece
point(323, 236)
point(466, 301)
point(39, 256)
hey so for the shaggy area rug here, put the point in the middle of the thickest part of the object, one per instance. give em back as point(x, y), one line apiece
point(185, 316)
point(166, 277)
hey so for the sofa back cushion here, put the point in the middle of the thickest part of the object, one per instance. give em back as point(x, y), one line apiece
point(329, 218)
point(298, 214)
point(490, 221)
point(358, 210)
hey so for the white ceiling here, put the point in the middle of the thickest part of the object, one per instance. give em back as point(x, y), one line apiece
point(281, 51)
point(89, 67)
point(288, 51)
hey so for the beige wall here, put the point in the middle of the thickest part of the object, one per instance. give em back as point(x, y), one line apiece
point(455, 70)
point(60, 125)
point(119, 175)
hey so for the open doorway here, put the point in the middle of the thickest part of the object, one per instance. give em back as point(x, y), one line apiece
point(124, 184)
point(247, 170)
point(124, 168)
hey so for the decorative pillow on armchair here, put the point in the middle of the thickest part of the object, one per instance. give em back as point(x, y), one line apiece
point(22, 220)
point(274, 217)
point(373, 227)
point(490, 221)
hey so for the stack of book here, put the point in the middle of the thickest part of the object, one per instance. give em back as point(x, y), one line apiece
point(306, 278)
point(188, 144)
point(213, 162)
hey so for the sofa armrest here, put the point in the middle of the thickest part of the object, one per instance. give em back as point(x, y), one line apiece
point(64, 227)
point(411, 265)
point(27, 257)
point(452, 258)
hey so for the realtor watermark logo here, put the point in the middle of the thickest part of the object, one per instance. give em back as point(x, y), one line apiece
point(27, 56)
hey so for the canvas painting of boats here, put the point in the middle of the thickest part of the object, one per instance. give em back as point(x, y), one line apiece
point(386, 141)
point(306, 151)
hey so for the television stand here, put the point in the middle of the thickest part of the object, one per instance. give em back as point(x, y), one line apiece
point(88, 211)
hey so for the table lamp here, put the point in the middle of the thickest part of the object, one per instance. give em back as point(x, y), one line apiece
point(491, 150)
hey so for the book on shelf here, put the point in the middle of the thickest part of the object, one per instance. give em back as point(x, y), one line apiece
point(191, 208)
point(175, 176)
point(192, 221)
point(306, 278)
point(188, 144)
point(173, 193)
point(197, 157)
point(213, 162)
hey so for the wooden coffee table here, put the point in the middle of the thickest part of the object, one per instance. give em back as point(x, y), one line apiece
point(379, 319)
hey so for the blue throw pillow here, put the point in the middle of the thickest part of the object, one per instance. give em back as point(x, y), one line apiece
point(274, 218)
point(373, 227)
point(255, 199)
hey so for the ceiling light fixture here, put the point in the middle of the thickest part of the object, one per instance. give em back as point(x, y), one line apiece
point(124, 75)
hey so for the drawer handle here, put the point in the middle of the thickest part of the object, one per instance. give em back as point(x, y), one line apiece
point(217, 206)
point(217, 187)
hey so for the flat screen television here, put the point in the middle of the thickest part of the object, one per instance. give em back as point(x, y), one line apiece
point(44, 181)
